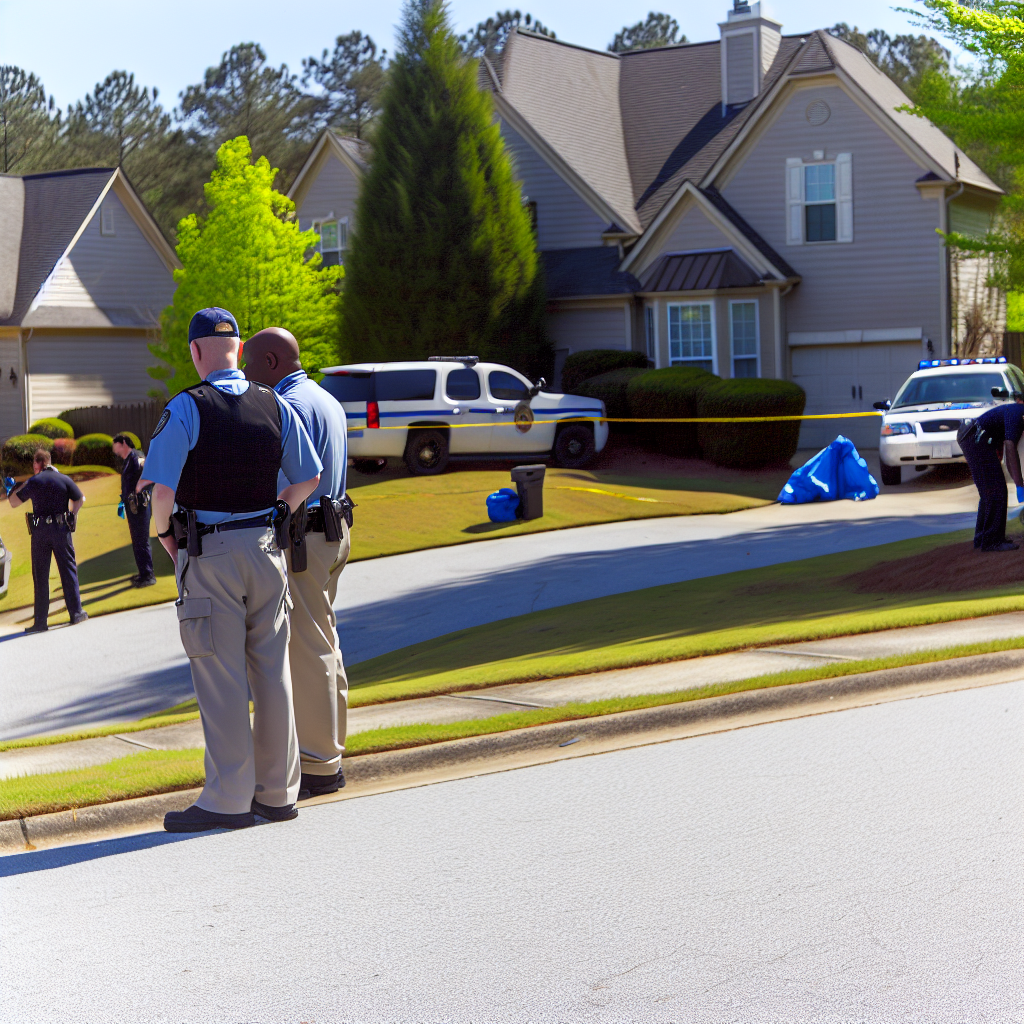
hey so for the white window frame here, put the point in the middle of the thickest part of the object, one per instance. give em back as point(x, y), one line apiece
point(796, 200)
point(688, 360)
point(342, 225)
point(757, 335)
point(107, 220)
point(651, 332)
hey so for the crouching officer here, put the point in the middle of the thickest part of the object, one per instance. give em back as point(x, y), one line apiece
point(319, 551)
point(992, 437)
point(136, 508)
point(217, 452)
point(56, 500)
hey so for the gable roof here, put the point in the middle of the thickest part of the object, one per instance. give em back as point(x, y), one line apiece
point(700, 270)
point(353, 153)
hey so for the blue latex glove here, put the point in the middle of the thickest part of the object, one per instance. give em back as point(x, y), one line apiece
point(1020, 495)
point(9, 484)
point(120, 509)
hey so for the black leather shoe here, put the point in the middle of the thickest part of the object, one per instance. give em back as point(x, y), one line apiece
point(80, 617)
point(195, 819)
point(143, 581)
point(1007, 545)
point(36, 629)
point(320, 785)
point(285, 813)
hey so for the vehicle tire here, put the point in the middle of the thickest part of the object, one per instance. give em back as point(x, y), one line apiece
point(369, 466)
point(426, 452)
point(574, 446)
point(891, 475)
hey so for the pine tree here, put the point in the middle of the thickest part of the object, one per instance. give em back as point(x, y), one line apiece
point(248, 256)
point(443, 258)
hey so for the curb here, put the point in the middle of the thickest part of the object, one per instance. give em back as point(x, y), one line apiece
point(369, 774)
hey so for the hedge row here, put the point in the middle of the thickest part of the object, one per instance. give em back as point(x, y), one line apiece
point(95, 450)
point(681, 392)
point(90, 450)
point(53, 428)
point(581, 366)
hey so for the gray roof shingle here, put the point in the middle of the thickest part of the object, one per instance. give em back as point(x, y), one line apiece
point(595, 271)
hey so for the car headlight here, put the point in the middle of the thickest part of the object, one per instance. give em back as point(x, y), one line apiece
point(889, 429)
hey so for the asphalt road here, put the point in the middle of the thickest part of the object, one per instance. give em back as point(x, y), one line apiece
point(120, 667)
point(857, 866)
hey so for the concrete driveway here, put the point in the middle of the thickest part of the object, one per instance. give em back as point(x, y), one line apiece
point(119, 667)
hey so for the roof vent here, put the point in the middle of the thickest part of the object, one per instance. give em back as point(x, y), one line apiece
point(750, 41)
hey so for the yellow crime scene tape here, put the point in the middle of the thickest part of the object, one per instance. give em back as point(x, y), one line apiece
point(613, 419)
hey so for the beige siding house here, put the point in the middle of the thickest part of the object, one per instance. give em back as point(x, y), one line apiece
point(84, 275)
point(758, 205)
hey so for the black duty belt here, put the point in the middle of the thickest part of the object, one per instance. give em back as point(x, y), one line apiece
point(65, 519)
point(315, 514)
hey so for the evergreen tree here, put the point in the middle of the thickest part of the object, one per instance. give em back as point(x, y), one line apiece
point(352, 78)
point(443, 258)
point(906, 59)
point(249, 256)
point(657, 30)
point(28, 121)
point(488, 38)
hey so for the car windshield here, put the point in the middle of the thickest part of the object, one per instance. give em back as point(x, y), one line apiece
point(948, 387)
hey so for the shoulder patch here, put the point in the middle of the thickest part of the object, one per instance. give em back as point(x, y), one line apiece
point(164, 418)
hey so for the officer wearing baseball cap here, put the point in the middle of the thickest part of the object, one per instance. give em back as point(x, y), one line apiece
point(214, 459)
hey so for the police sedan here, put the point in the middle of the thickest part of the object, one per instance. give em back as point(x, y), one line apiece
point(920, 425)
point(455, 407)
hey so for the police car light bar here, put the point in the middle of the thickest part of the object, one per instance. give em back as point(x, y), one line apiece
point(465, 360)
point(928, 364)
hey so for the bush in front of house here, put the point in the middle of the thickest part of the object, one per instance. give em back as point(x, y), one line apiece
point(63, 451)
point(669, 393)
point(610, 388)
point(17, 452)
point(133, 438)
point(95, 450)
point(581, 366)
point(52, 428)
point(750, 445)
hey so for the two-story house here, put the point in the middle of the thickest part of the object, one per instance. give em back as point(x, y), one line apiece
point(758, 205)
point(84, 275)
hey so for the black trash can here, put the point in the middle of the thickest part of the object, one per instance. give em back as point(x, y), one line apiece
point(529, 481)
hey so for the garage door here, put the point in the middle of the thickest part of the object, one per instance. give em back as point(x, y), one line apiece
point(850, 378)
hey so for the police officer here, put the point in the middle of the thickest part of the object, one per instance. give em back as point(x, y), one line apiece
point(136, 508)
point(993, 436)
point(56, 500)
point(319, 683)
point(216, 453)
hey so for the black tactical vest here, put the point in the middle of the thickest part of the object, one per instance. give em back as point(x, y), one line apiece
point(234, 465)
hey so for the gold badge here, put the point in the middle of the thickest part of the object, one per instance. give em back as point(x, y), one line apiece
point(223, 328)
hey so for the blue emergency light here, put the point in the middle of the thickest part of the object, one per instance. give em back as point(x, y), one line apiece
point(928, 364)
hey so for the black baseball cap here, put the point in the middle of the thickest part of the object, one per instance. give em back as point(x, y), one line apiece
point(212, 323)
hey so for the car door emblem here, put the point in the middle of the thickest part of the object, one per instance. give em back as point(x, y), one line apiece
point(523, 417)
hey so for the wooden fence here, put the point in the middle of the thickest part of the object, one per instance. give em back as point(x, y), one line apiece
point(140, 418)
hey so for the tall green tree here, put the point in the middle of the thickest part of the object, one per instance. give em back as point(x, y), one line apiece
point(906, 59)
point(656, 30)
point(488, 38)
point(443, 257)
point(249, 256)
point(29, 121)
point(352, 79)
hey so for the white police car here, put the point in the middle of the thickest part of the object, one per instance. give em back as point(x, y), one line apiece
point(920, 424)
point(432, 411)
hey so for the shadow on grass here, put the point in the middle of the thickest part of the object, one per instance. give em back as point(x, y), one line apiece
point(120, 562)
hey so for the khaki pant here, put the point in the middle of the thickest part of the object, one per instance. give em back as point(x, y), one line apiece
point(234, 627)
point(318, 672)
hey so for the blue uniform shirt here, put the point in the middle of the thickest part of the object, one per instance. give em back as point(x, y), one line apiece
point(1004, 423)
point(324, 420)
point(170, 446)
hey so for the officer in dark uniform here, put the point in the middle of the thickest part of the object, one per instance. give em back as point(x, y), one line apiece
point(986, 442)
point(136, 508)
point(56, 500)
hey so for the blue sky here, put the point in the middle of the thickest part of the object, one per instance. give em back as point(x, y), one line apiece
point(73, 45)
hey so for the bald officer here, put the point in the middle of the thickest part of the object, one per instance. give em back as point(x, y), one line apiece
point(319, 684)
point(216, 453)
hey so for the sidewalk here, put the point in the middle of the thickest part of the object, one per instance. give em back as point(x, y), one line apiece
point(477, 704)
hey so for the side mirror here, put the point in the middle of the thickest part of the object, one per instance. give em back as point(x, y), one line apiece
point(1000, 393)
point(884, 406)
point(538, 387)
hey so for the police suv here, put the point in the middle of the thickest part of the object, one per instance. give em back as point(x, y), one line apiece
point(920, 425)
point(456, 407)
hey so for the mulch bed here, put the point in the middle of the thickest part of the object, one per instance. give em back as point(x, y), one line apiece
point(952, 568)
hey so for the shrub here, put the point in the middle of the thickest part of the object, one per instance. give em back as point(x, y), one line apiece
point(750, 445)
point(63, 451)
point(669, 393)
point(17, 452)
point(581, 366)
point(52, 428)
point(95, 450)
point(133, 437)
point(611, 387)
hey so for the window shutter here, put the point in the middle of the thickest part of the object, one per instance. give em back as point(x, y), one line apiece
point(844, 197)
point(316, 227)
point(794, 201)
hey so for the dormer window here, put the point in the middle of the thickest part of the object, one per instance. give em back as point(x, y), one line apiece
point(333, 240)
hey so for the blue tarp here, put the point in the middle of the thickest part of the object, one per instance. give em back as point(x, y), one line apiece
point(502, 505)
point(835, 472)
